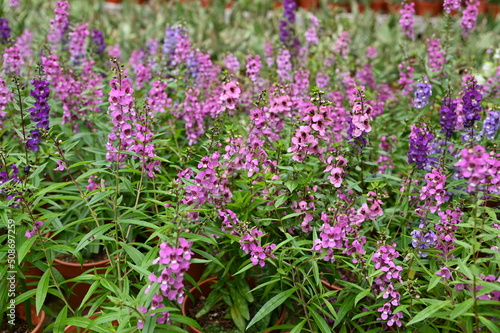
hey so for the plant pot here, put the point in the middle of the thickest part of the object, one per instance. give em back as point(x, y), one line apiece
point(205, 291)
point(432, 8)
point(309, 4)
point(72, 270)
point(378, 6)
point(494, 9)
point(393, 8)
point(36, 320)
point(483, 7)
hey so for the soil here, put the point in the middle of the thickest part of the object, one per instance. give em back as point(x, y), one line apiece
point(215, 317)
point(20, 326)
point(69, 258)
point(215, 320)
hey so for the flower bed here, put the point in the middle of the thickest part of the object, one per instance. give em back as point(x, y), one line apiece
point(293, 149)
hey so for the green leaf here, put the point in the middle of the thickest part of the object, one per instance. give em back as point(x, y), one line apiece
point(361, 295)
point(461, 308)
point(298, 327)
point(490, 325)
point(92, 234)
point(41, 290)
point(210, 301)
point(240, 302)
point(237, 316)
point(434, 281)
point(428, 311)
point(133, 253)
point(272, 304)
point(177, 318)
point(289, 216)
point(291, 185)
point(323, 326)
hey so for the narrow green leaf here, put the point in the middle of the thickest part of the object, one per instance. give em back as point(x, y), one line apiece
point(237, 316)
point(136, 256)
point(92, 234)
point(323, 326)
point(298, 327)
point(434, 281)
point(361, 295)
point(490, 325)
point(428, 311)
point(461, 308)
point(289, 216)
point(41, 290)
point(272, 304)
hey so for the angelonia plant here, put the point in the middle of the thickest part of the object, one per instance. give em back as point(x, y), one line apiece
point(345, 176)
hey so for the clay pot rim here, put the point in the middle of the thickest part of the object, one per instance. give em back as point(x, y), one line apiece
point(40, 316)
point(192, 290)
point(87, 264)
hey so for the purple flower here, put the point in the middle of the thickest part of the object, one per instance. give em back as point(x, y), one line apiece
point(98, 41)
point(36, 228)
point(77, 43)
point(422, 94)
point(448, 116)
point(471, 105)
point(420, 140)
point(4, 31)
point(435, 55)
point(491, 124)
point(469, 17)
point(450, 5)
point(59, 25)
point(406, 22)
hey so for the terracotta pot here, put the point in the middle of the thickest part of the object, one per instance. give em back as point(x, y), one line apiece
point(378, 6)
point(309, 4)
point(432, 8)
point(494, 9)
point(32, 275)
point(393, 7)
point(340, 6)
point(205, 291)
point(114, 1)
point(72, 270)
point(36, 320)
point(483, 7)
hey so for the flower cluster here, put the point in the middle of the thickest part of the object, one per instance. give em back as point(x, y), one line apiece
point(491, 124)
point(384, 258)
point(77, 42)
point(448, 116)
point(232, 63)
point(406, 77)
point(479, 167)
point(423, 239)
point(420, 140)
point(311, 34)
point(230, 95)
point(287, 30)
point(435, 55)
point(158, 97)
point(4, 31)
point(336, 170)
point(434, 192)
point(39, 114)
point(36, 228)
point(450, 5)
point(12, 60)
point(5, 96)
point(98, 41)
point(284, 64)
point(250, 241)
point(406, 22)
point(471, 105)
point(445, 230)
point(304, 143)
point(253, 67)
point(361, 116)
point(422, 94)
point(385, 160)
point(174, 262)
point(121, 109)
point(59, 25)
point(143, 145)
point(469, 17)
point(341, 46)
